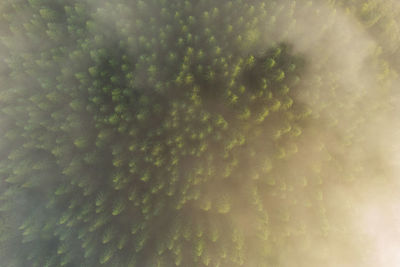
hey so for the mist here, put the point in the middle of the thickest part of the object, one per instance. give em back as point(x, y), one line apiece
point(345, 89)
point(239, 133)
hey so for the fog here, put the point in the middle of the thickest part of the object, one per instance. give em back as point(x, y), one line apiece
point(343, 199)
point(353, 104)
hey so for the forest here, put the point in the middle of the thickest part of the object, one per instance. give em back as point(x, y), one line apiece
point(192, 133)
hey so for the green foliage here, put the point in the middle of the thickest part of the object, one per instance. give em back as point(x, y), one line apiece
point(163, 133)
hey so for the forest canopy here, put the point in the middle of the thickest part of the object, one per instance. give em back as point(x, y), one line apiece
point(199, 133)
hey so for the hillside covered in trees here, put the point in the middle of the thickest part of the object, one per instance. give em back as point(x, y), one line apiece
point(141, 133)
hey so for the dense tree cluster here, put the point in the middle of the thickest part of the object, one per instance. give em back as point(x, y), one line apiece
point(165, 133)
